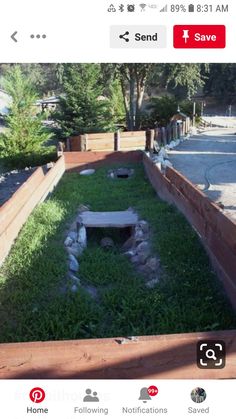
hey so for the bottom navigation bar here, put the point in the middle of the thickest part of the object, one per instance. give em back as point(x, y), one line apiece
point(116, 398)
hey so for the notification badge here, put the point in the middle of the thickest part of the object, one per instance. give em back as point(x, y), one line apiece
point(37, 395)
point(152, 391)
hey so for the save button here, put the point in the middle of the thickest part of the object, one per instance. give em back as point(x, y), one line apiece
point(199, 36)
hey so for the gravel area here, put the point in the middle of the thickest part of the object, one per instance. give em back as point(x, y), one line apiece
point(209, 161)
point(11, 181)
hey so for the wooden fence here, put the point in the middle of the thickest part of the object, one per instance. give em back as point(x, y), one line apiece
point(14, 213)
point(216, 230)
point(125, 141)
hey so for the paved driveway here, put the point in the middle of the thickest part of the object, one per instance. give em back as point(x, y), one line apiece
point(209, 161)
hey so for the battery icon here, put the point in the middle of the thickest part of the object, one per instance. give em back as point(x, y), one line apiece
point(191, 8)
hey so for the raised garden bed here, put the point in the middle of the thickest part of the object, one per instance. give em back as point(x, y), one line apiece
point(36, 298)
point(11, 181)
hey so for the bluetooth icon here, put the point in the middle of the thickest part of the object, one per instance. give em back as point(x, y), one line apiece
point(121, 8)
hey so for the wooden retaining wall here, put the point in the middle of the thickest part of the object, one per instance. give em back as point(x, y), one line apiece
point(14, 213)
point(125, 141)
point(150, 357)
point(217, 231)
point(118, 141)
point(76, 161)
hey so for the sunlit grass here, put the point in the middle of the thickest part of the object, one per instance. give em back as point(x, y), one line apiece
point(188, 298)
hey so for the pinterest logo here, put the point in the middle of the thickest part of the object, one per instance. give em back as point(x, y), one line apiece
point(37, 395)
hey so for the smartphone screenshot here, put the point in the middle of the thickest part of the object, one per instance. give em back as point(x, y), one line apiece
point(117, 209)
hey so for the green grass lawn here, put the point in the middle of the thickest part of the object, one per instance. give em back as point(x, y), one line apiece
point(189, 297)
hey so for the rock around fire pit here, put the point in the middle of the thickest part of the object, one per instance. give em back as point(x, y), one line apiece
point(120, 173)
point(137, 248)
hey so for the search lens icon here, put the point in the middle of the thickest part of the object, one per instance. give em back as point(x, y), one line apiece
point(210, 354)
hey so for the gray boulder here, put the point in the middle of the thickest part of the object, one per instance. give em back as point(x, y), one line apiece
point(152, 283)
point(153, 264)
point(73, 263)
point(83, 208)
point(130, 253)
point(74, 288)
point(74, 278)
point(68, 242)
point(75, 250)
point(73, 235)
point(143, 251)
point(82, 237)
point(135, 260)
point(128, 244)
point(144, 226)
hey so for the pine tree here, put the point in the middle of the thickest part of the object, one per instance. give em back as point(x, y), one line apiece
point(25, 133)
point(83, 107)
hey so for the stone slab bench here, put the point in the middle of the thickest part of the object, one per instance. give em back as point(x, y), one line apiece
point(114, 219)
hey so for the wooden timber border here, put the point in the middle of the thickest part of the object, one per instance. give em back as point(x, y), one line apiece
point(167, 356)
point(149, 357)
point(15, 212)
point(216, 230)
point(127, 141)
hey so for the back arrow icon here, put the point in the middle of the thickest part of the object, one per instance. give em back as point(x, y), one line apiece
point(13, 36)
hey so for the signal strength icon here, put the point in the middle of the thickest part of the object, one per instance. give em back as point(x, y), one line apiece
point(165, 9)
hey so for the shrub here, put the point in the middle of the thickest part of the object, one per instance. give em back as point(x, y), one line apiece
point(25, 133)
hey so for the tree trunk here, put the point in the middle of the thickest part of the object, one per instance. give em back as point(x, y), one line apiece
point(126, 102)
point(139, 102)
point(132, 102)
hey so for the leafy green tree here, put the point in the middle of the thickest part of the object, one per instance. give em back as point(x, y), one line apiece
point(25, 133)
point(46, 78)
point(133, 78)
point(83, 106)
point(117, 104)
point(222, 82)
point(182, 80)
point(161, 109)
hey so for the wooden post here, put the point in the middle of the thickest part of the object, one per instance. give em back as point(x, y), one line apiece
point(172, 132)
point(188, 125)
point(117, 141)
point(175, 130)
point(159, 136)
point(179, 131)
point(60, 149)
point(83, 142)
point(163, 135)
point(194, 114)
point(168, 132)
point(150, 133)
point(68, 147)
